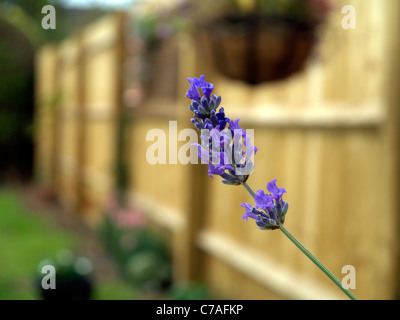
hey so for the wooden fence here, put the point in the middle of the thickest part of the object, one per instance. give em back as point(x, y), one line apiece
point(79, 88)
point(329, 135)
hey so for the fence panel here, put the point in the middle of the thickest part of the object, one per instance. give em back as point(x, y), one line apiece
point(320, 134)
point(46, 102)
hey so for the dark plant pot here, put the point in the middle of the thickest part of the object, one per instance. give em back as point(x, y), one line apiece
point(68, 289)
point(256, 48)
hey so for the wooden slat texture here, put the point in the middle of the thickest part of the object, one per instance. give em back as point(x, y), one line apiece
point(87, 68)
point(282, 280)
point(69, 106)
point(46, 103)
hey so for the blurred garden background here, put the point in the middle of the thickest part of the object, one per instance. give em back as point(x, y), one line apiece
point(317, 80)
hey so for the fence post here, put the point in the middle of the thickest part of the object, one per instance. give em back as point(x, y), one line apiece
point(81, 123)
point(56, 132)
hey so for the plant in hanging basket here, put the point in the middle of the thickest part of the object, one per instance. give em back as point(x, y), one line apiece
point(151, 27)
point(259, 41)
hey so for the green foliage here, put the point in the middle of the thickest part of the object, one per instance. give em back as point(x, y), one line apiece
point(154, 26)
point(27, 16)
point(312, 11)
point(190, 291)
point(26, 239)
point(141, 254)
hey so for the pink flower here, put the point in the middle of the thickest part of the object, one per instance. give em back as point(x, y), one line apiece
point(130, 218)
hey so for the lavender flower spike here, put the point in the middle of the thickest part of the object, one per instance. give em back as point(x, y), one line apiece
point(263, 201)
point(225, 146)
point(277, 192)
point(193, 92)
point(273, 207)
point(249, 212)
point(196, 84)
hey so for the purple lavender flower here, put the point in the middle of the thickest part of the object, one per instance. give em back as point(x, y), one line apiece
point(204, 112)
point(193, 92)
point(222, 120)
point(217, 150)
point(273, 207)
point(263, 201)
point(219, 170)
point(227, 150)
point(277, 192)
point(249, 212)
point(206, 87)
point(234, 125)
point(225, 147)
point(204, 108)
point(196, 84)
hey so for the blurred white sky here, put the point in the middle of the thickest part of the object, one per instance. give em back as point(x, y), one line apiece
point(111, 4)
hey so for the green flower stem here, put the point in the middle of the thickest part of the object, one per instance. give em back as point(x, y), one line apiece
point(244, 184)
point(317, 263)
point(308, 253)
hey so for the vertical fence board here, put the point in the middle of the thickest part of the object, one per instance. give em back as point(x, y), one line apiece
point(46, 102)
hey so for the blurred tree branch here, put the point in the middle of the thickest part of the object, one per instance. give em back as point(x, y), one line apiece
point(27, 16)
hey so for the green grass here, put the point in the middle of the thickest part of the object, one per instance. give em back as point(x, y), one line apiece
point(26, 238)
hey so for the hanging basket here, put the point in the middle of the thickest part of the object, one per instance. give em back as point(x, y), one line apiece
point(257, 49)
